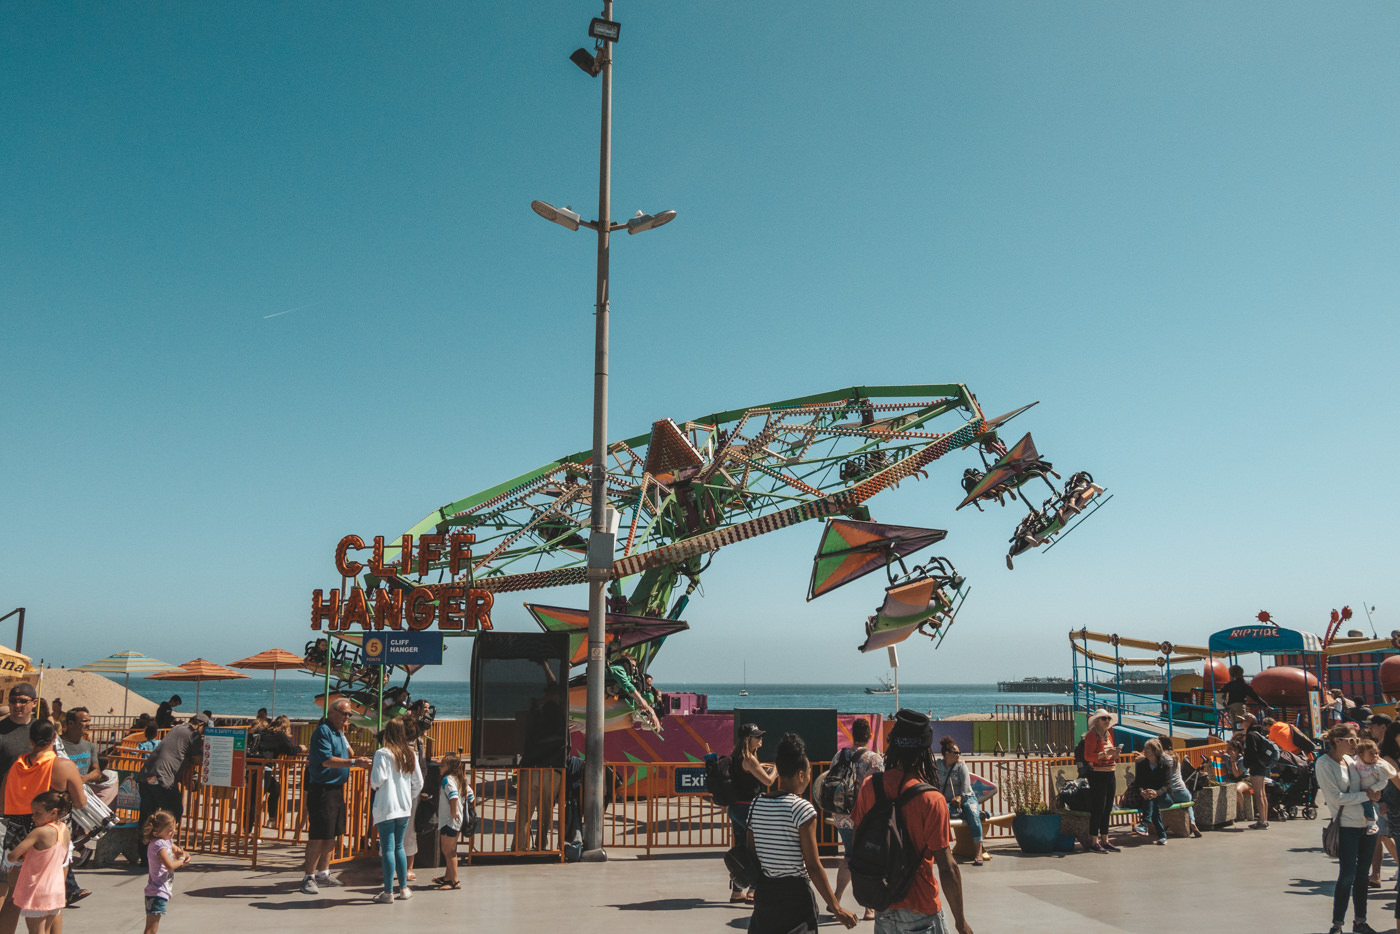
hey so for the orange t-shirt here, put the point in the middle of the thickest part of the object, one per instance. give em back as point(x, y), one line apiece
point(1094, 754)
point(1282, 735)
point(926, 816)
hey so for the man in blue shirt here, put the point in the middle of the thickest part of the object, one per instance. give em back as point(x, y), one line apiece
point(328, 768)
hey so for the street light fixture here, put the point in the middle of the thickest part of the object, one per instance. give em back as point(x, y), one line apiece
point(603, 523)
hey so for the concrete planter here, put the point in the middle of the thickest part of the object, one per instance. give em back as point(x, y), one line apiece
point(1215, 806)
point(1039, 833)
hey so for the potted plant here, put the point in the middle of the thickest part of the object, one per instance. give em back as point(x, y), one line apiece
point(1036, 829)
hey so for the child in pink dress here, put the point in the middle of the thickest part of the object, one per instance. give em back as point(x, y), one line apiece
point(39, 892)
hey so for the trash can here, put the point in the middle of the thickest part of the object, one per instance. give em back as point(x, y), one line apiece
point(425, 823)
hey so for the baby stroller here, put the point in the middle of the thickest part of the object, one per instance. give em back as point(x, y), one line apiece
point(1293, 792)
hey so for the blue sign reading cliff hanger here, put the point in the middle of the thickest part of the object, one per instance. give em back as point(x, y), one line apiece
point(403, 648)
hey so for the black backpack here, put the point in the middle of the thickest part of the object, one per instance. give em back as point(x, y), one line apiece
point(837, 794)
point(882, 858)
point(1081, 761)
point(719, 779)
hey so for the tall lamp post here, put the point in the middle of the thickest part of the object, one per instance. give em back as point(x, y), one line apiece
point(603, 524)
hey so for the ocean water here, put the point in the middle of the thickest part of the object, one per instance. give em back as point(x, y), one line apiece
point(296, 693)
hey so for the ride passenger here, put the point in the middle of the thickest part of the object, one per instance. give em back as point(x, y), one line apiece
point(1339, 782)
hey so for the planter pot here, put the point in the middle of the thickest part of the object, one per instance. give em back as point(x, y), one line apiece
point(1039, 833)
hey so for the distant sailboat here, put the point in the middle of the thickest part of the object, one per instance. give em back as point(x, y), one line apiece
point(744, 691)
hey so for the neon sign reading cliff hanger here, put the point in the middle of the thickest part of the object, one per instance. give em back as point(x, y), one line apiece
point(449, 606)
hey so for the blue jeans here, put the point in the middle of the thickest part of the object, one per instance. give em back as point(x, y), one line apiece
point(1152, 814)
point(391, 854)
point(1180, 796)
point(972, 816)
point(1354, 850)
point(904, 921)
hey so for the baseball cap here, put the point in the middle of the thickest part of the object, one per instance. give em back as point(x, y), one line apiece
point(24, 689)
point(749, 729)
point(201, 719)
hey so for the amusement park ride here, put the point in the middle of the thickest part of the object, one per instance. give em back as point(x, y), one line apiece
point(684, 490)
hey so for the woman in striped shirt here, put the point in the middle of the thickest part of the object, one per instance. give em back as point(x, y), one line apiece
point(783, 832)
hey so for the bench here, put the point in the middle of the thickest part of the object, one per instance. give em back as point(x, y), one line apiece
point(1174, 818)
point(962, 837)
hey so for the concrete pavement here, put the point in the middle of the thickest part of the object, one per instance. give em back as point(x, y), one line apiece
point(1232, 880)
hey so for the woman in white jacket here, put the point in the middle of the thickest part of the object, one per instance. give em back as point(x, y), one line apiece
point(396, 781)
point(1340, 784)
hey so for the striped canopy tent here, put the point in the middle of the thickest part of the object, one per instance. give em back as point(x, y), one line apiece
point(199, 670)
point(271, 660)
point(124, 663)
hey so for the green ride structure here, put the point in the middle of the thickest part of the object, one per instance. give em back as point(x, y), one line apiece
point(685, 489)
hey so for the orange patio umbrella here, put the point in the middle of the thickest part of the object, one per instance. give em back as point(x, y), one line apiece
point(198, 670)
point(271, 660)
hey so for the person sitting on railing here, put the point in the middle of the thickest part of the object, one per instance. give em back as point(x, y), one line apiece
point(1236, 692)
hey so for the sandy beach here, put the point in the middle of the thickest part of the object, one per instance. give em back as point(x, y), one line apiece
point(99, 694)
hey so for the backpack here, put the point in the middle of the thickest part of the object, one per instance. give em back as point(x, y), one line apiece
point(1081, 760)
point(1261, 752)
point(471, 822)
point(719, 779)
point(882, 857)
point(837, 794)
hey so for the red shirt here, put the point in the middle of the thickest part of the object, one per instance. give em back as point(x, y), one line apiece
point(1094, 754)
point(926, 816)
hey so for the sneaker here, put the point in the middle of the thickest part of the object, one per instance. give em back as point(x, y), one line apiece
point(405, 894)
point(1258, 825)
point(1361, 927)
point(309, 886)
point(324, 878)
point(384, 898)
point(1110, 847)
point(1161, 841)
point(1141, 830)
point(1097, 848)
point(1335, 929)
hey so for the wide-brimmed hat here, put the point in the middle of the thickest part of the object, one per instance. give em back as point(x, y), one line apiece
point(1101, 714)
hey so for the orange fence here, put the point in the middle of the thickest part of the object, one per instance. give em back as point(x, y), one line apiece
point(523, 811)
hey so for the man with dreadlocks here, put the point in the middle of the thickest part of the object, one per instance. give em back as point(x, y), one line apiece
point(908, 761)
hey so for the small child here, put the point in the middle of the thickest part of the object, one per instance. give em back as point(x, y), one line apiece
point(1375, 772)
point(163, 857)
point(455, 795)
point(39, 891)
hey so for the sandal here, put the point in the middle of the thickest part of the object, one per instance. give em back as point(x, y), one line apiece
point(439, 880)
point(736, 897)
point(445, 886)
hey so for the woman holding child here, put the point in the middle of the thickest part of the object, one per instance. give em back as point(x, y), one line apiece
point(1340, 783)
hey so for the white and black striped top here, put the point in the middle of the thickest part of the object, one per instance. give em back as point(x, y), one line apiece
point(774, 822)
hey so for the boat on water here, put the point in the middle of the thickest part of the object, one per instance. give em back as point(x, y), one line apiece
point(886, 687)
point(744, 691)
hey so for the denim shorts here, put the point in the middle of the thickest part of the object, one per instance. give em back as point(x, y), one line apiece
point(904, 921)
point(154, 905)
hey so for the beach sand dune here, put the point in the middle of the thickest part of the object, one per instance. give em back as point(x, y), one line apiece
point(99, 694)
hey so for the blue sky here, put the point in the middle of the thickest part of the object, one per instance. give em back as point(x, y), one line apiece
point(1175, 225)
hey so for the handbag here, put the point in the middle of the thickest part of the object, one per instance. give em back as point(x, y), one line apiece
point(743, 867)
point(1332, 834)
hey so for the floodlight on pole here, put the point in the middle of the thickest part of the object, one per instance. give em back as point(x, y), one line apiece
point(604, 523)
point(564, 217)
point(647, 221)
